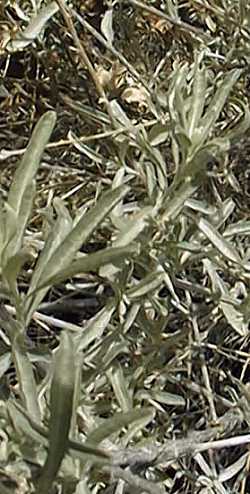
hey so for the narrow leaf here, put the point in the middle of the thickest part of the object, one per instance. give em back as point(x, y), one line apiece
point(223, 245)
point(120, 387)
point(59, 230)
point(14, 241)
point(150, 283)
point(39, 433)
point(26, 377)
point(132, 227)
point(5, 362)
point(27, 169)
point(169, 399)
point(61, 404)
point(24, 370)
point(174, 205)
point(106, 26)
point(32, 31)
point(218, 101)
point(233, 316)
point(65, 252)
point(242, 227)
point(92, 262)
point(198, 100)
point(95, 327)
point(116, 423)
point(12, 269)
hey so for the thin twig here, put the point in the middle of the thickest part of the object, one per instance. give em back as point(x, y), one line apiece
point(83, 55)
point(112, 49)
point(184, 26)
point(9, 153)
point(120, 57)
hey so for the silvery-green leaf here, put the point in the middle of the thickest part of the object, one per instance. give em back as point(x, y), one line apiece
point(178, 79)
point(96, 326)
point(120, 115)
point(152, 153)
point(218, 146)
point(62, 248)
point(11, 270)
point(158, 134)
point(137, 426)
point(233, 315)
point(84, 149)
point(150, 178)
point(183, 106)
point(88, 112)
point(64, 254)
point(61, 409)
point(132, 227)
point(120, 387)
point(219, 217)
point(169, 399)
point(23, 425)
point(113, 350)
point(173, 206)
point(117, 422)
point(198, 100)
point(2, 229)
point(4, 91)
point(118, 180)
point(9, 228)
point(200, 206)
point(25, 377)
point(234, 468)
point(150, 283)
point(242, 227)
point(28, 167)
point(240, 129)
point(107, 27)
point(23, 366)
point(218, 101)
point(36, 431)
point(59, 230)
point(15, 241)
point(235, 318)
point(223, 246)
point(5, 363)
point(34, 28)
point(22, 189)
point(92, 262)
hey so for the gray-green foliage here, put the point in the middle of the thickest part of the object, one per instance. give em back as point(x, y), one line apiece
point(55, 262)
point(168, 238)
